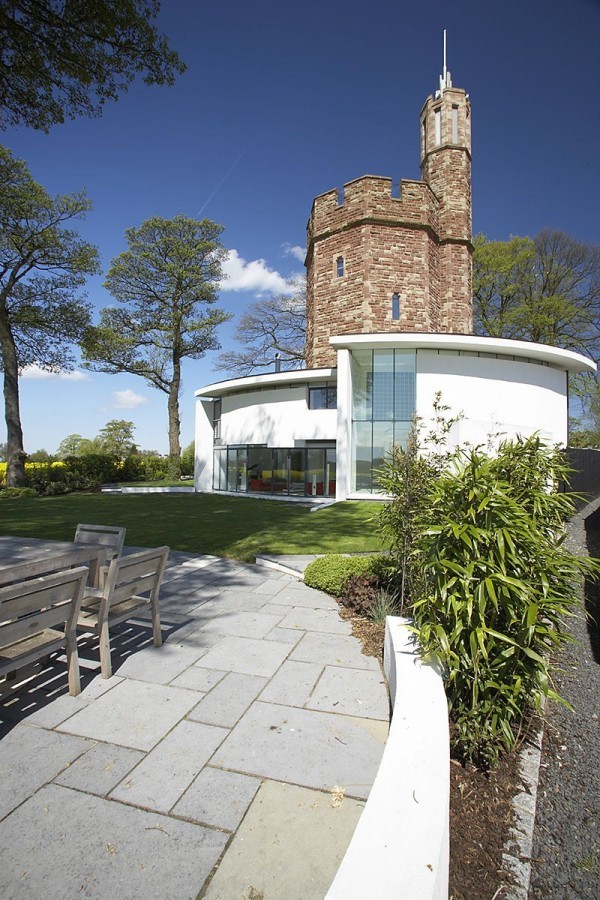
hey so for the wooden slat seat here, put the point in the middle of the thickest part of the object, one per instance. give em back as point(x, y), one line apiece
point(132, 582)
point(39, 617)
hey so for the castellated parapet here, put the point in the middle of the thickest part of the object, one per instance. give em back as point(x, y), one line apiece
point(383, 263)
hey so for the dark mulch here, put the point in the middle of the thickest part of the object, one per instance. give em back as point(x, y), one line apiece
point(480, 805)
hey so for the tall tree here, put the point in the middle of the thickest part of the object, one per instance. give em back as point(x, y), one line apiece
point(43, 265)
point(276, 325)
point(65, 58)
point(544, 289)
point(166, 282)
point(117, 437)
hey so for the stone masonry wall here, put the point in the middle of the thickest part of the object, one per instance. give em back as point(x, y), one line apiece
point(416, 245)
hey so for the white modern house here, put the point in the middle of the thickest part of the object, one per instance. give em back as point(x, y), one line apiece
point(389, 325)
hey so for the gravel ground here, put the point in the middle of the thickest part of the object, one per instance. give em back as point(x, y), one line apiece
point(566, 843)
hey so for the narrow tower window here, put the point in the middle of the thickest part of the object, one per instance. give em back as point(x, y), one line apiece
point(395, 307)
point(438, 127)
point(455, 124)
point(339, 264)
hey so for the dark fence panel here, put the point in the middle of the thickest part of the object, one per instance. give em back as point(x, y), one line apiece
point(585, 479)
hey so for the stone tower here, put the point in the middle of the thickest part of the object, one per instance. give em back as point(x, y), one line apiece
point(379, 263)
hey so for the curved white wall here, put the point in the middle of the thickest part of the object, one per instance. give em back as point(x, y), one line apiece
point(497, 397)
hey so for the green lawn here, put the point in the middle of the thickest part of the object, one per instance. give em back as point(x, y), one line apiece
point(201, 523)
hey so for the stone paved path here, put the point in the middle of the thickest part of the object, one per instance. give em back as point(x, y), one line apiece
point(232, 762)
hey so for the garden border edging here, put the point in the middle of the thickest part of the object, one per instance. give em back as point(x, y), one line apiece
point(401, 844)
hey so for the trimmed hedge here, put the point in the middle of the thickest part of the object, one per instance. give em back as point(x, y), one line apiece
point(331, 573)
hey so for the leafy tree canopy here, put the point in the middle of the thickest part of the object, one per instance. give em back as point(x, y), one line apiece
point(166, 282)
point(117, 437)
point(544, 289)
point(64, 58)
point(43, 265)
point(275, 325)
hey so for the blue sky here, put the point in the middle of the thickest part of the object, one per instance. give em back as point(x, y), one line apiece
point(281, 102)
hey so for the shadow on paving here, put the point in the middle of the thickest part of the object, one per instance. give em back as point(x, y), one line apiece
point(47, 680)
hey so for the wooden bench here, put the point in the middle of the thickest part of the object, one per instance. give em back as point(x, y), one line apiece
point(111, 537)
point(132, 582)
point(48, 561)
point(39, 617)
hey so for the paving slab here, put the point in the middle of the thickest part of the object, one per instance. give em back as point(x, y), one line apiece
point(29, 757)
point(354, 692)
point(198, 679)
point(326, 620)
point(134, 714)
point(240, 624)
point(218, 798)
point(229, 700)
point(159, 665)
point(333, 649)
point(304, 747)
point(300, 595)
point(246, 656)
point(164, 774)
point(107, 850)
point(292, 684)
point(278, 850)
point(63, 707)
point(100, 769)
point(287, 636)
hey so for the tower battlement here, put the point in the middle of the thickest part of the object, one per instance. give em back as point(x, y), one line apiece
point(383, 263)
point(370, 198)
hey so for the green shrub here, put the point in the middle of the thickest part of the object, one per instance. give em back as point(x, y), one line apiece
point(13, 493)
point(331, 573)
point(496, 585)
point(155, 468)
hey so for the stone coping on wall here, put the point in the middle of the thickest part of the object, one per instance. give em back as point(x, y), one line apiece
point(401, 845)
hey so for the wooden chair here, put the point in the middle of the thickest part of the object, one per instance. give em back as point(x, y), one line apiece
point(111, 537)
point(39, 617)
point(132, 582)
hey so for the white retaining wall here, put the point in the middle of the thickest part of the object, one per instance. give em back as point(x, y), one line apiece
point(400, 848)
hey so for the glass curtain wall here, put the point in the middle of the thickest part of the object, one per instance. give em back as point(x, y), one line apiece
point(383, 404)
point(292, 471)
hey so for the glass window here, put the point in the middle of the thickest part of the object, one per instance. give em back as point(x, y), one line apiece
point(217, 421)
point(383, 404)
point(454, 124)
point(339, 265)
point(260, 469)
point(219, 470)
point(322, 398)
point(395, 307)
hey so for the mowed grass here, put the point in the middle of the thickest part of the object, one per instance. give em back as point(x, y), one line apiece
point(201, 523)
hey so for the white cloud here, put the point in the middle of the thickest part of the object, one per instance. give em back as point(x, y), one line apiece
point(294, 250)
point(36, 372)
point(128, 399)
point(252, 276)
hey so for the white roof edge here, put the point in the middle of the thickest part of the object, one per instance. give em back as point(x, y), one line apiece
point(565, 359)
point(271, 379)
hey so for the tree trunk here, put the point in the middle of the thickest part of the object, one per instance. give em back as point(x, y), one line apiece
point(15, 454)
point(174, 421)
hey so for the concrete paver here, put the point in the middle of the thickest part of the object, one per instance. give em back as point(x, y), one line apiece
point(164, 774)
point(100, 769)
point(246, 656)
point(350, 691)
point(304, 747)
point(229, 700)
point(29, 757)
point(171, 775)
point(333, 649)
point(292, 684)
point(134, 714)
point(63, 843)
point(218, 798)
point(284, 818)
